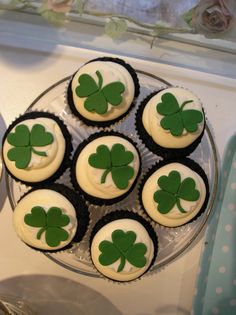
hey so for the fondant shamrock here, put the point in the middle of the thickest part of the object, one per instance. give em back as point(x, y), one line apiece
point(50, 222)
point(98, 97)
point(115, 161)
point(172, 190)
point(23, 141)
point(122, 247)
point(176, 118)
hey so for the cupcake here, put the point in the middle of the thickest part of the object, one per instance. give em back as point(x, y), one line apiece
point(174, 193)
point(36, 148)
point(50, 218)
point(103, 91)
point(171, 122)
point(123, 246)
point(105, 167)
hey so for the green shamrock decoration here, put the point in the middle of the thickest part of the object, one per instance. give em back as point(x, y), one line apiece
point(176, 118)
point(123, 247)
point(50, 222)
point(23, 141)
point(98, 97)
point(172, 190)
point(115, 161)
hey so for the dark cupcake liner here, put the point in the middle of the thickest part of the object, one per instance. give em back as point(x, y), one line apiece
point(69, 95)
point(152, 145)
point(190, 164)
point(68, 146)
point(125, 214)
point(82, 145)
point(82, 214)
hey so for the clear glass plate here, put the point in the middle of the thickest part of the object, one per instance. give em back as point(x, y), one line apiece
point(172, 241)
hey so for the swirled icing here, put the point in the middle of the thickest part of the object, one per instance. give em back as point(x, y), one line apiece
point(151, 120)
point(40, 167)
point(174, 217)
point(89, 178)
point(45, 198)
point(111, 72)
point(129, 272)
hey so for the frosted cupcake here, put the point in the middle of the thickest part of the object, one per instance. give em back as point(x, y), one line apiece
point(103, 91)
point(123, 246)
point(105, 167)
point(171, 122)
point(174, 193)
point(36, 148)
point(50, 218)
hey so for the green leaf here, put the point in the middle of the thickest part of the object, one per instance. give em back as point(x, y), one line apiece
point(109, 253)
point(39, 137)
point(50, 222)
point(172, 189)
point(176, 118)
point(165, 200)
point(113, 91)
point(20, 155)
point(19, 138)
point(55, 218)
point(171, 182)
point(55, 235)
point(119, 155)
point(80, 6)
point(122, 247)
point(135, 255)
point(191, 118)
point(169, 105)
point(55, 18)
point(115, 28)
point(121, 176)
point(173, 123)
point(187, 190)
point(23, 141)
point(115, 161)
point(87, 86)
point(37, 217)
point(97, 98)
point(188, 16)
point(123, 240)
point(101, 159)
point(96, 103)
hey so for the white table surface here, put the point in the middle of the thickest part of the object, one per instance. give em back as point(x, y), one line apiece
point(25, 73)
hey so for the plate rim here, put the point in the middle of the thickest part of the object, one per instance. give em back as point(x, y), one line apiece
point(168, 260)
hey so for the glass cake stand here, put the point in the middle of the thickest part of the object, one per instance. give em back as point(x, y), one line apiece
point(172, 241)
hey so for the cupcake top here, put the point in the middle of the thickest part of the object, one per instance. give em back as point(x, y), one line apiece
point(174, 194)
point(45, 219)
point(122, 249)
point(173, 118)
point(106, 166)
point(34, 147)
point(102, 90)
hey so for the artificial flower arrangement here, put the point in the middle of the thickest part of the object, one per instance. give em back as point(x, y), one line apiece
point(212, 18)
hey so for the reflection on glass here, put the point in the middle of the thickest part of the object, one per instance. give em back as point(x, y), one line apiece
point(13, 305)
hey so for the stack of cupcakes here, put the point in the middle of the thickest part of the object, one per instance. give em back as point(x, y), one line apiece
point(106, 167)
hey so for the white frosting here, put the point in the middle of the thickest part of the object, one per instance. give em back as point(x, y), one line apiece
point(129, 272)
point(45, 198)
point(40, 167)
point(89, 178)
point(151, 120)
point(111, 72)
point(174, 217)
